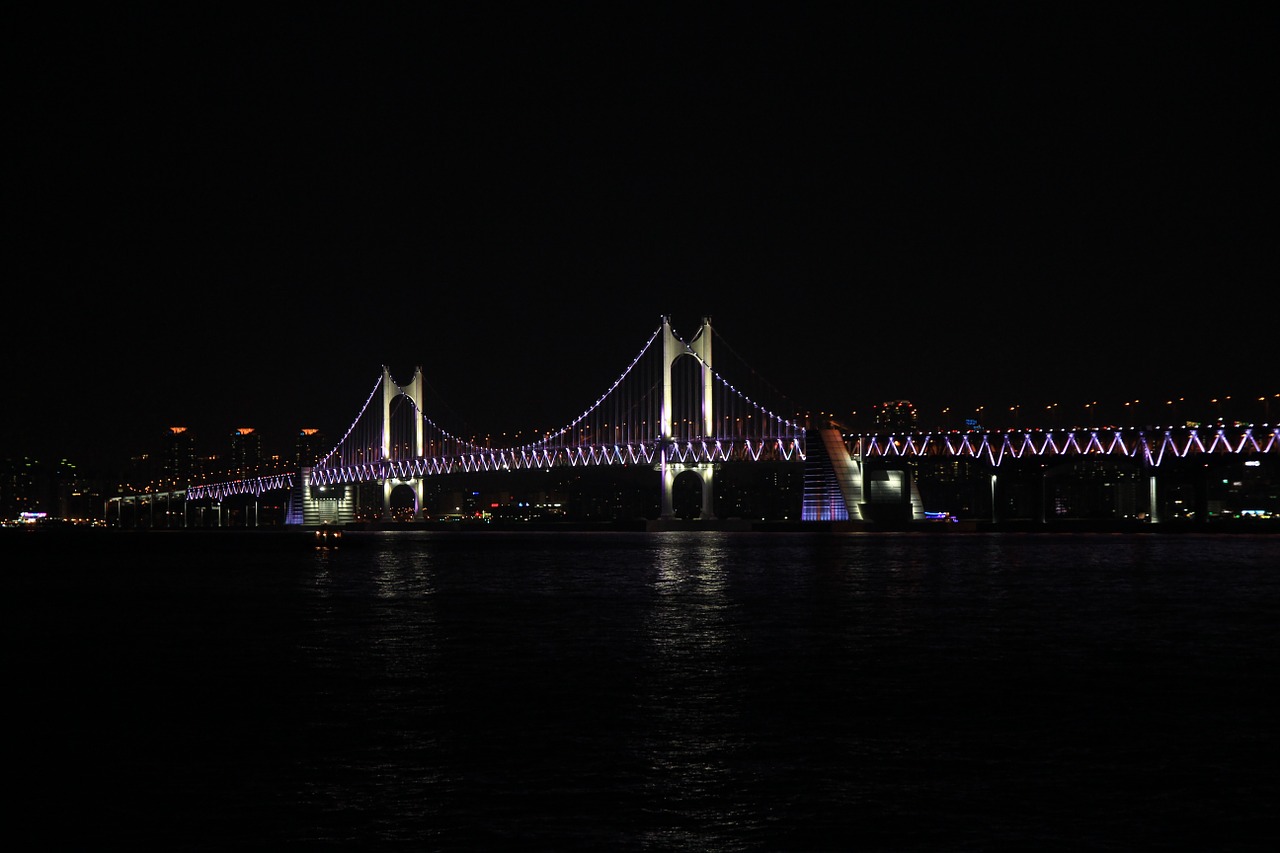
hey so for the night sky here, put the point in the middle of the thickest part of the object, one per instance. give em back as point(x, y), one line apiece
point(234, 216)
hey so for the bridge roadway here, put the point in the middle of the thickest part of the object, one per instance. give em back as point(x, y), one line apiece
point(1150, 448)
point(724, 449)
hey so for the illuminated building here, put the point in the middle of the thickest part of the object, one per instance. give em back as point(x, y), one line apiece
point(246, 452)
point(178, 465)
point(308, 447)
point(895, 416)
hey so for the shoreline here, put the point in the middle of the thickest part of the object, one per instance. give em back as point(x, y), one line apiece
point(642, 525)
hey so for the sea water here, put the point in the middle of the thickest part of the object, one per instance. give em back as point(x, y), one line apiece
point(683, 691)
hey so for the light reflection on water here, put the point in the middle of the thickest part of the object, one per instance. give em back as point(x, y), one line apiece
point(679, 691)
point(692, 695)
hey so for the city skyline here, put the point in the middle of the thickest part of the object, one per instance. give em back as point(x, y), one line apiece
point(228, 225)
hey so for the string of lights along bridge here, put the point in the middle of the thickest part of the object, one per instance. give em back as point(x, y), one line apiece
point(672, 412)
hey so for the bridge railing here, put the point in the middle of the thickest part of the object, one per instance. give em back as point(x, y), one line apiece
point(695, 451)
point(1151, 447)
point(250, 486)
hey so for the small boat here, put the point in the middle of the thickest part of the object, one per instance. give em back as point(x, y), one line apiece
point(328, 536)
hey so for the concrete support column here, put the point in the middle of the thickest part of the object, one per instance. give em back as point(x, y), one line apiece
point(708, 473)
point(995, 514)
point(1152, 500)
point(668, 473)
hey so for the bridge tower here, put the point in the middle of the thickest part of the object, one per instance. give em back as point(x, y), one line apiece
point(673, 349)
point(390, 390)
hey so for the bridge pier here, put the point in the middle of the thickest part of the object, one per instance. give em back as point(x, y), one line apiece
point(389, 485)
point(995, 499)
point(144, 508)
point(668, 473)
point(706, 472)
point(1152, 503)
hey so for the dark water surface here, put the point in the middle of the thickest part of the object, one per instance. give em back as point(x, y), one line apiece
point(644, 691)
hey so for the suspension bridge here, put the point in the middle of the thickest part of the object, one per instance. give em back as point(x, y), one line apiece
point(670, 411)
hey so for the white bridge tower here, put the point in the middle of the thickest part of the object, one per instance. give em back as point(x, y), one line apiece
point(390, 390)
point(672, 349)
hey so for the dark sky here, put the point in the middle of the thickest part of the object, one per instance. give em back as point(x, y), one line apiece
point(234, 216)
